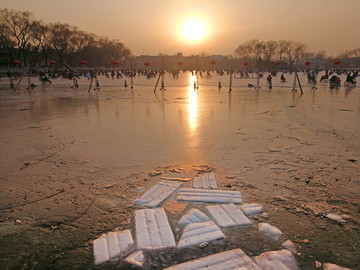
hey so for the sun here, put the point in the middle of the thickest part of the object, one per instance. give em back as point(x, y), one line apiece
point(193, 28)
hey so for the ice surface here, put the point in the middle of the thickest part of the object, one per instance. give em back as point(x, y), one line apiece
point(113, 245)
point(153, 231)
point(136, 258)
point(226, 215)
point(196, 233)
point(193, 216)
point(279, 260)
point(207, 181)
point(226, 260)
point(250, 209)
point(158, 193)
point(270, 230)
point(207, 195)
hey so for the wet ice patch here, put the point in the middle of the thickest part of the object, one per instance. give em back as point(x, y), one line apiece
point(251, 209)
point(136, 258)
point(193, 216)
point(232, 259)
point(281, 259)
point(207, 181)
point(153, 231)
point(226, 215)
point(113, 245)
point(206, 195)
point(158, 193)
point(270, 230)
point(197, 233)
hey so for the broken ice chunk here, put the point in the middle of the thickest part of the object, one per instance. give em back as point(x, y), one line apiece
point(227, 215)
point(113, 245)
point(207, 181)
point(158, 193)
point(196, 233)
point(226, 260)
point(289, 246)
point(136, 258)
point(193, 216)
point(207, 195)
point(281, 259)
point(250, 209)
point(330, 266)
point(335, 217)
point(153, 231)
point(270, 230)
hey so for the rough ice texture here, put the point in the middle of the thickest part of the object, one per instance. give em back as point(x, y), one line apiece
point(226, 215)
point(207, 195)
point(270, 230)
point(226, 260)
point(153, 231)
point(207, 181)
point(113, 245)
point(197, 233)
point(158, 193)
point(281, 259)
point(330, 266)
point(136, 258)
point(193, 216)
point(289, 246)
point(250, 209)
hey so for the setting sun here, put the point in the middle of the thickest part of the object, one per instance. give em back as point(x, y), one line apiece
point(193, 28)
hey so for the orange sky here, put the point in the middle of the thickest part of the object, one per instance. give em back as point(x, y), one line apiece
point(148, 26)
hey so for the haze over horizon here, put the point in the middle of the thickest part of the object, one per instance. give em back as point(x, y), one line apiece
point(150, 27)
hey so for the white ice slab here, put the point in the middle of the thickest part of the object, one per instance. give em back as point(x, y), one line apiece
point(207, 181)
point(209, 195)
point(137, 258)
point(281, 259)
point(153, 231)
point(250, 209)
point(196, 233)
point(113, 245)
point(158, 193)
point(330, 266)
point(270, 230)
point(193, 216)
point(226, 215)
point(226, 260)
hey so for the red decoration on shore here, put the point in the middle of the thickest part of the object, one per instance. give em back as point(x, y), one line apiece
point(16, 62)
point(277, 63)
point(213, 62)
point(52, 63)
point(82, 63)
point(146, 64)
point(114, 63)
point(337, 62)
point(180, 63)
point(246, 64)
point(307, 63)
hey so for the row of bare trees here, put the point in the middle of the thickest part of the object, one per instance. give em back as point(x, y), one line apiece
point(33, 42)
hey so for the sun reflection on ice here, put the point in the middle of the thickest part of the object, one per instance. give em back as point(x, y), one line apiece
point(193, 104)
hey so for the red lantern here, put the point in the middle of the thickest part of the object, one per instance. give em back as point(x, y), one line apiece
point(277, 63)
point(82, 63)
point(146, 64)
point(337, 62)
point(114, 63)
point(16, 62)
point(307, 63)
point(213, 62)
point(245, 64)
point(52, 63)
point(180, 63)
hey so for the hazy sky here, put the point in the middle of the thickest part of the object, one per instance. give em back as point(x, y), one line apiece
point(148, 26)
